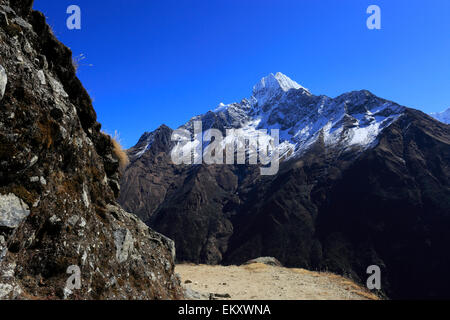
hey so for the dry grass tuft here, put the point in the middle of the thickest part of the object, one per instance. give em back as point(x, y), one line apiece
point(255, 267)
point(357, 289)
point(118, 151)
point(77, 62)
point(302, 271)
point(366, 294)
point(120, 154)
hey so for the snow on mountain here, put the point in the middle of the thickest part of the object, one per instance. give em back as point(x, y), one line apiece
point(443, 116)
point(352, 120)
point(144, 144)
point(269, 87)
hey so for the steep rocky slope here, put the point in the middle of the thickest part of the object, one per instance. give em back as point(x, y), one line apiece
point(362, 181)
point(389, 207)
point(59, 180)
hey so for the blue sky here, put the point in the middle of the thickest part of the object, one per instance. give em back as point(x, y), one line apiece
point(164, 61)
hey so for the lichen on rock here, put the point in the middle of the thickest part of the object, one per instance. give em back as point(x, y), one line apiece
point(12, 211)
point(124, 244)
point(57, 175)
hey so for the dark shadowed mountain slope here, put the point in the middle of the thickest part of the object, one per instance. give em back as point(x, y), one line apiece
point(363, 181)
point(58, 178)
point(390, 207)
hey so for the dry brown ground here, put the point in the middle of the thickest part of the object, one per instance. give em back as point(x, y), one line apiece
point(261, 282)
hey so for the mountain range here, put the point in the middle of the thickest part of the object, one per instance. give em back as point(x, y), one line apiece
point(362, 181)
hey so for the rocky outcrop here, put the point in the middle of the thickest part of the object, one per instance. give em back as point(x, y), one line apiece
point(58, 174)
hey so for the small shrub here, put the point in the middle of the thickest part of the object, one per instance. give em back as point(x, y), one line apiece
point(118, 151)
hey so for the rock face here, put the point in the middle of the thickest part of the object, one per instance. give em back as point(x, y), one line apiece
point(57, 170)
point(363, 181)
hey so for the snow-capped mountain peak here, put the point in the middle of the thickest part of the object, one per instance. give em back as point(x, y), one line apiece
point(272, 85)
point(351, 121)
point(443, 116)
point(275, 82)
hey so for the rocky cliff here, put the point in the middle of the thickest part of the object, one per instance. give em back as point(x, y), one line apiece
point(59, 177)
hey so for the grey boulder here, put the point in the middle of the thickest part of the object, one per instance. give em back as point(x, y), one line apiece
point(12, 211)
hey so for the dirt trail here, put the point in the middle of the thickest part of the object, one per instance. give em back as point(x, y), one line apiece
point(262, 282)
